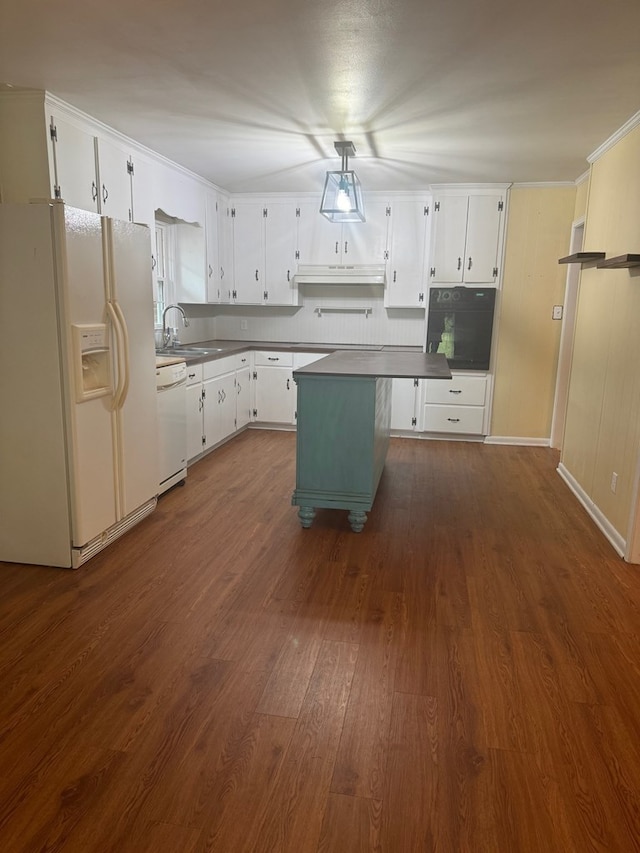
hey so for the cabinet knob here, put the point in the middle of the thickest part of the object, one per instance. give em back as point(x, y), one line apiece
point(452, 391)
point(469, 266)
point(459, 263)
point(94, 190)
point(105, 193)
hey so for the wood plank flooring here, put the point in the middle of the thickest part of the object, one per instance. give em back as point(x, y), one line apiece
point(464, 675)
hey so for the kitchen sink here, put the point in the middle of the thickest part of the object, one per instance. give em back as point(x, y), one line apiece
point(189, 351)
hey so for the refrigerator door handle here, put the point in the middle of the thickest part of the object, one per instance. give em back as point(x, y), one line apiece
point(117, 333)
point(123, 366)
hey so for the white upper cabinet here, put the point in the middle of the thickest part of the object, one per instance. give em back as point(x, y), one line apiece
point(213, 263)
point(367, 242)
point(326, 243)
point(408, 253)
point(466, 240)
point(91, 172)
point(281, 243)
point(74, 157)
point(248, 252)
point(115, 176)
point(145, 181)
point(264, 252)
point(225, 248)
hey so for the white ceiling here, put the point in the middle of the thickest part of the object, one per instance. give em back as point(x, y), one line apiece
point(252, 94)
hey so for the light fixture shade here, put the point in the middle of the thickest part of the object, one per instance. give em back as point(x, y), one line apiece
point(342, 198)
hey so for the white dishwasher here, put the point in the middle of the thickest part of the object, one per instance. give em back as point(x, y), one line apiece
point(171, 384)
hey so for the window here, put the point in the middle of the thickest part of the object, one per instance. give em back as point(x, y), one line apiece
point(165, 289)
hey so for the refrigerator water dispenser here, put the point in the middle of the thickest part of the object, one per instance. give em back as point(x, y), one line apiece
point(92, 361)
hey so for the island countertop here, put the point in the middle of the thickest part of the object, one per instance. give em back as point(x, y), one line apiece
point(395, 365)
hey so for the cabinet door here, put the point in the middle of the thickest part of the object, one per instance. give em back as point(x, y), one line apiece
point(408, 254)
point(449, 238)
point(219, 408)
point(281, 237)
point(319, 241)
point(225, 249)
point(366, 242)
point(194, 420)
point(274, 395)
point(74, 156)
point(248, 253)
point(483, 231)
point(213, 265)
point(404, 406)
point(114, 171)
point(145, 179)
point(243, 397)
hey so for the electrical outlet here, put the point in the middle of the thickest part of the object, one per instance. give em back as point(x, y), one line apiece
point(243, 325)
point(557, 312)
point(614, 482)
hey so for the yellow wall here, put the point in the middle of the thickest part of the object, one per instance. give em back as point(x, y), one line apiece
point(602, 433)
point(582, 192)
point(538, 233)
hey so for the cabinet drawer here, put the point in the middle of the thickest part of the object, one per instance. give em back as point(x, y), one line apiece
point(263, 358)
point(459, 391)
point(243, 359)
point(219, 366)
point(466, 419)
point(194, 374)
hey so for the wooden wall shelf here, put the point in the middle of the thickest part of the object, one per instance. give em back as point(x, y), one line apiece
point(582, 257)
point(619, 262)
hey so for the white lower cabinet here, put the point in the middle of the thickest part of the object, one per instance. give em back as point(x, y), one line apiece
point(195, 429)
point(457, 405)
point(218, 401)
point(406, 397)
point(274, 391)
point(243, 397)
point(219, 394)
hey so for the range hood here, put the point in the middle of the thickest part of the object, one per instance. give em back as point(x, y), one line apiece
point(353, 274)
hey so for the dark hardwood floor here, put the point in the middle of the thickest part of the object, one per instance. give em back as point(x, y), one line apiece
point(464, 675)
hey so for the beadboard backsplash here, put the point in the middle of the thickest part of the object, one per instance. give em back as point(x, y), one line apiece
point(328, 314)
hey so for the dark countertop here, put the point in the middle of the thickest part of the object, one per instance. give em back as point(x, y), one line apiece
point(226, 347)
point(397, 365)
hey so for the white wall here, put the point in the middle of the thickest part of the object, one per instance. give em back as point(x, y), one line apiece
point(381, 326)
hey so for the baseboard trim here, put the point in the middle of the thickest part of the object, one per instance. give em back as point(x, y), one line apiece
point(617, 541)
point(517, 439)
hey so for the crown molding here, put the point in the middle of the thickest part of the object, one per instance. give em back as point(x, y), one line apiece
point(626, 128)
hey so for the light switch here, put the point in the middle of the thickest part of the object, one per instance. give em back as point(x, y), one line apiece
point(557, 312)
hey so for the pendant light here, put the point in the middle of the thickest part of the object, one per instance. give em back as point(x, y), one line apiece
point(342, 196)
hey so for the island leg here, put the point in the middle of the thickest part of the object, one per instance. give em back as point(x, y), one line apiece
point(357, 519)
point(306, 514)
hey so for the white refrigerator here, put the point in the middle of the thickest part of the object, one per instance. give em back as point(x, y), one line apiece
point(78, 416)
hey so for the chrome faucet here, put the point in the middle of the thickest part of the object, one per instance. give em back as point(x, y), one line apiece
point(166, 332)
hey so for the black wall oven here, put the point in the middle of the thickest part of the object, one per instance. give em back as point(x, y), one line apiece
point(460, 325)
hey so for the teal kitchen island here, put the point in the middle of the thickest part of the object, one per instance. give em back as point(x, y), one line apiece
point(343, 425)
